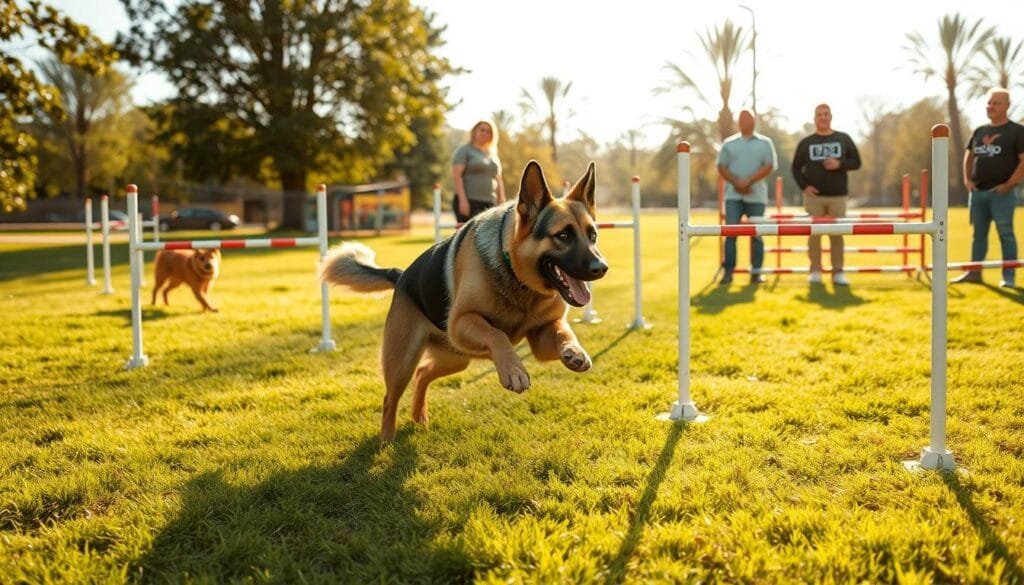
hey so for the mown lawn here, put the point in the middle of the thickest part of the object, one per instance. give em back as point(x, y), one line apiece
point(238, 456)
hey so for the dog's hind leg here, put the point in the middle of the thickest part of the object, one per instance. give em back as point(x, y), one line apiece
point(437, 362)
point(170, 286)
point(405, 337)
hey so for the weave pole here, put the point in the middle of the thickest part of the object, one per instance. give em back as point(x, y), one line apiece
point(136, 247)
point(438, 226)
point(108, 288)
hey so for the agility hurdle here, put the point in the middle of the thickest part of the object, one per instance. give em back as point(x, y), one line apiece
point(136, 248)
point(935, 455)
point(104, 225)
point(589, 312)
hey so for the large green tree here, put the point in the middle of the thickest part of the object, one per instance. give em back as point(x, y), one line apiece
point(329, 88)
point(950, 60)
point(22, 94)
point(89, 133)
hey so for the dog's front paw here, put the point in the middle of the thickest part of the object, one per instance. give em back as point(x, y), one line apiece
point(214, 310)
point(575, 358)
point(514, 377)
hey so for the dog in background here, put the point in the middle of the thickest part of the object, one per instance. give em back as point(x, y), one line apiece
point(508, 274)
point(197, 268)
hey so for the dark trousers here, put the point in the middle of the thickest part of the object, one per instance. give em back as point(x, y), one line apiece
point(734, 212)
point(987, 207)
point(475, 208)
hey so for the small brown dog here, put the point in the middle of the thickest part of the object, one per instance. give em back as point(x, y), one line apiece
point(197, 267)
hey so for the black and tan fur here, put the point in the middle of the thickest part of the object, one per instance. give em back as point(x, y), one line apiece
point(507, 275)
point(197, 268)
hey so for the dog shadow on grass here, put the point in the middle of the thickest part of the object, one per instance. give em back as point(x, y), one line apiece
point(840, 297)
point(992, 542)
point(619, 565)
point(148, 314)
point(350, 522)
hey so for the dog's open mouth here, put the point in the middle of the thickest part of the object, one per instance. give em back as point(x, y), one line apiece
point(574, 291)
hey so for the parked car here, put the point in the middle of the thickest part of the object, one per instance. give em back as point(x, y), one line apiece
point(118, 219)
point(199, 218)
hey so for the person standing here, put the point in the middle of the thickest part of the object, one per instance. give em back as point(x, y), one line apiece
point(993, 168)
point(745, 159)
point(476, 173)
point(820, 165)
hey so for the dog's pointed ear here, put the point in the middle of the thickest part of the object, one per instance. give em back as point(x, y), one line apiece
point(534, 194)
point(583, 190)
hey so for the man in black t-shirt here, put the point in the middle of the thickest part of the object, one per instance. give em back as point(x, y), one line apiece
point(993, 167)
point(819, 168)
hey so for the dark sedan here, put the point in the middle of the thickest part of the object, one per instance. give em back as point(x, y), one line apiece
point(198, 218)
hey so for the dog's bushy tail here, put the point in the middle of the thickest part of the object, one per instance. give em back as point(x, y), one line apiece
point(352, 265)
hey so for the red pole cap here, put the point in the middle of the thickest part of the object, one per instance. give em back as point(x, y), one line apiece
point(321, 187)
point(940, 131)
point(132, 189)
point(103, 197)
point(437, 185)
point(683, 147)
point(636, 179)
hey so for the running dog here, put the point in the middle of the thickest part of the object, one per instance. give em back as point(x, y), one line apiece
point(197, 268)
point(506, 275)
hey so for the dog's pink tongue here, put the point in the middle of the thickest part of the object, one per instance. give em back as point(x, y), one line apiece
point(578, 289)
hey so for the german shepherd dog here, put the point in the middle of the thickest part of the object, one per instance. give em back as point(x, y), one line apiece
point(508, 274)
point(196, 268)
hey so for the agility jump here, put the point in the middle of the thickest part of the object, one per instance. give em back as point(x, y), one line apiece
point(104, 225)
point(589, 312)
point(136, 248)
point(935, 455)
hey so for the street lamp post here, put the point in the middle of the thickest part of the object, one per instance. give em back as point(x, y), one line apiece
point(753, 49)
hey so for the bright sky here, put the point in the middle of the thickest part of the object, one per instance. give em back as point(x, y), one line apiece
point(808, 52)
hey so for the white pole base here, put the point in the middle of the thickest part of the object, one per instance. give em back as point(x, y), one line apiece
point(943, 461)
point(136, 362)
point(639, 324)
point(107, 291)
point(91, 282)
point(589, 316)
point(325, 345)
point(685, 412)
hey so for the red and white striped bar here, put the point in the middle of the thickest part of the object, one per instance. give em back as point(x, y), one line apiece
point(811, 229)
point(230, 244)
point(847, 269)
point(984, 264)
point(854, 215)
point(847, 249)
point(813, 220)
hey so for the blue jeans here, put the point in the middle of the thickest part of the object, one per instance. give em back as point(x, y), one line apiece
point(734, 212)
point(986, 207)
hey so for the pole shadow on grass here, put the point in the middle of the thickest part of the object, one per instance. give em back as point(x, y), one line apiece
point(1014, 294)
point(716, 299)
point(617, 570)
point(350, 522)
point(991, 539)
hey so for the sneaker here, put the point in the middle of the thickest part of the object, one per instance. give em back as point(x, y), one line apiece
point(973, 277)
point(757, 279)
point(814, 278)
point(839, 279)
point(1007, 283)
point(726, 279)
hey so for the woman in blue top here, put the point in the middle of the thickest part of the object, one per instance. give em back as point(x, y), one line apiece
point(476, 172)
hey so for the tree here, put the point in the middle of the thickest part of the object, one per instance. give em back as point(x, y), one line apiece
point(723, 47)
point(1004, 67)
point(88, 135)
point(959, 42)
point(22, 94)
point(553, 91)
point(330, 87)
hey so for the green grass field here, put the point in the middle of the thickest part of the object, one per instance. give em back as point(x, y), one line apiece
point(239, 456)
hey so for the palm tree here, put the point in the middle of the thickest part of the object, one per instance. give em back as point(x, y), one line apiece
point(723, 46)
point(959, 42)
point(553, 90)
point(90, 101)
point(1004, 67)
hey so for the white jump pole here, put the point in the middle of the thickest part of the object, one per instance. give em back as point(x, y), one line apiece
point(936, 455)
point(589, 312)
point(684, 408)
point(437, 212)
point(638, 317)
point(138, 358)
point(90, 260)
point(155, 205)
point(326, 343)
point(108, 288)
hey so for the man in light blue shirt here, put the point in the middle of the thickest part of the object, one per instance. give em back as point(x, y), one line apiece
point(745, 160)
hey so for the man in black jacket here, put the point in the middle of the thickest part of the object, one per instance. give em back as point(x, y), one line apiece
point(819, 167)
